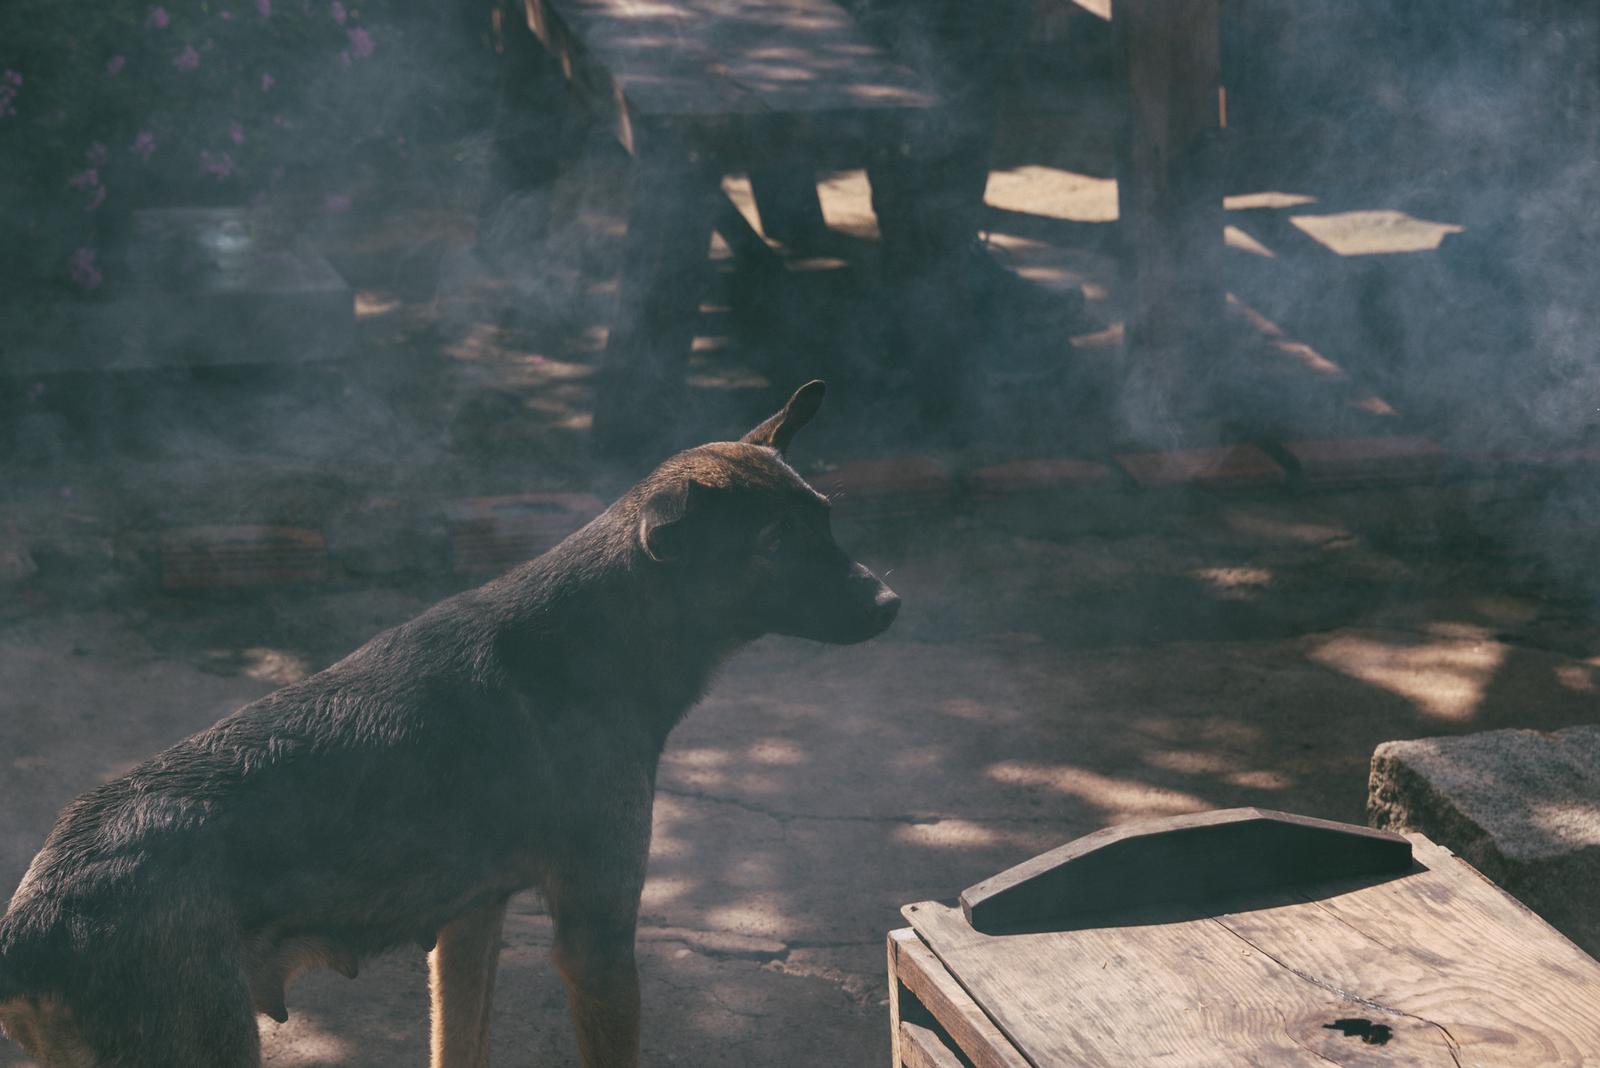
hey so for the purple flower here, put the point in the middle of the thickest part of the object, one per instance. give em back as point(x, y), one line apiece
point(344, 57)
point(226, 16)
point(267, 82)
point(36, 391)
point(159, 18)
point(336, 9)
point(96, 154)
point(143, 145)
point(188, 59)
point(8, 92)
point(98, 199)
point(82, 270)
point(236, 133)
point(361, 44)
point(84, 180)
point(265, 7)
point(115, 64)
point(337, 202)
point(219, 164)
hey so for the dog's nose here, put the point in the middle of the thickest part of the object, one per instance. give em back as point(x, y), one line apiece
point(886, 604)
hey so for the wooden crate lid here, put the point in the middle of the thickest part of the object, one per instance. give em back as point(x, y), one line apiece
point(1432, 966)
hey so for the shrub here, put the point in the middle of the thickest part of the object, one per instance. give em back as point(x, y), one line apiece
point(119, 106)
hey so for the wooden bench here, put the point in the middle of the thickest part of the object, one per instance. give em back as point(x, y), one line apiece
point(1239, 937)
point(695, 89)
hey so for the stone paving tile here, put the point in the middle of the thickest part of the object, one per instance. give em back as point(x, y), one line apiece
point(998, 481)
point(221, 557)
point(1366, 461)
point(1217, 467)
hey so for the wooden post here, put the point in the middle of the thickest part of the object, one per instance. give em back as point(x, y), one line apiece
point(1169, 187)
point(641, 390)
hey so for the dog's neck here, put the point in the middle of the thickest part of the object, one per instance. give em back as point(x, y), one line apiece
point(596, 624)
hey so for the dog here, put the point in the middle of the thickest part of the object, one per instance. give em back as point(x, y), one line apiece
point(505, 739)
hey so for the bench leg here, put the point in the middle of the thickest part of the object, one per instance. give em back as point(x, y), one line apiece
point(641, 389)
point(790, 209)
point(1169, 187)
point(536, 119)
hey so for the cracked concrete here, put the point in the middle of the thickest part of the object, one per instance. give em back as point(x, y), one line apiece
point(1039, 685)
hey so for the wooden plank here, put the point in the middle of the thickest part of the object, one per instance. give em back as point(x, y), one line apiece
point(688, 57)
point(1193, 858)
point(919, 971)
point(1437, 967)
point(1186, 993)
point(743, 80)
point(1447, 947)
point(921, 1048)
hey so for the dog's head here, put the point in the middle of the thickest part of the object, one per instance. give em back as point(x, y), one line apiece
point(749, 543)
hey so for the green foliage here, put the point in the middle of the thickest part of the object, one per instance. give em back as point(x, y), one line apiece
point(106, 108)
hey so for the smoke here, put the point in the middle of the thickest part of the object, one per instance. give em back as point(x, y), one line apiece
point(478, 211)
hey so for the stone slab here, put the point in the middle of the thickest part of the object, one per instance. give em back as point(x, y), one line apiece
point(1215, 467)
point(235, 556)
point(1366, 461)
point(489, 535)
point(905, 487)
point(999, 481)
point(1522, 806)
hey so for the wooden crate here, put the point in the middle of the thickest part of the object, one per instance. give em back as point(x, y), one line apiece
point(1234, 938)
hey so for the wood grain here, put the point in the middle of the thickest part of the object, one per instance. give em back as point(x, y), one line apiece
point(921, 1048)
point(919, 971)
point(1437, 967)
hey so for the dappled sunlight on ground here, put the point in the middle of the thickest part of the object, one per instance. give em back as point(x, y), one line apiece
point(1371, 233)
point(1130, 799)
point(1053, 193)
point(1444, 673)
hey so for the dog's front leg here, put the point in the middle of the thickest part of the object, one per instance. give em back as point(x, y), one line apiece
point(461, 987)
point(594, 901)
point(594, 952)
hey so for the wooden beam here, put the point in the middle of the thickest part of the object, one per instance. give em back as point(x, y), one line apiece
point(913, 966)
point(1169, 182)
point(1189, 860)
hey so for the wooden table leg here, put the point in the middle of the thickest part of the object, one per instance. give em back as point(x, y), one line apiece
point(1170, 189)
point(786, 198)
point(641, 391)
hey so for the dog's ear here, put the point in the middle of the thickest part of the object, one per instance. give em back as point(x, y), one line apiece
point(666, 519)
point(779, 430)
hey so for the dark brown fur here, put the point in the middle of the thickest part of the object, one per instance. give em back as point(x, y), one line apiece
point(507, 738)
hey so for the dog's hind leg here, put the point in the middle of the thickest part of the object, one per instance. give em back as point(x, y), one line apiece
point(461, 971)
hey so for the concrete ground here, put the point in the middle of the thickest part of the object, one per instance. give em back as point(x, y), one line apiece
point(1081, 658)
point(1045, 679)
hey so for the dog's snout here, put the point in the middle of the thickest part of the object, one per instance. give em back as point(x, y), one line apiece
point(886, 604)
